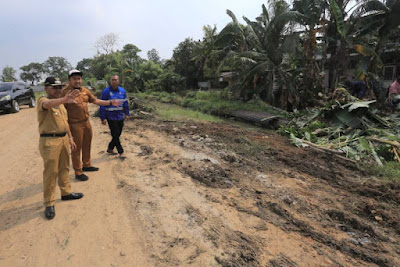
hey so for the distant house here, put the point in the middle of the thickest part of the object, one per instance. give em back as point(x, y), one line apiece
point(204, 85)
point(391, 60)
point(227, 77)
point(99, 84)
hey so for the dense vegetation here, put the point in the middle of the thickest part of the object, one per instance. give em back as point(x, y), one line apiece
point(281, 57)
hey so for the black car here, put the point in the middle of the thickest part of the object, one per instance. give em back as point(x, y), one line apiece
point(14, 94)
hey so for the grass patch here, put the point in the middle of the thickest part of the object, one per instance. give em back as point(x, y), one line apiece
point(39, 94)
point(390, 171)
point(162, 97)
point(210, 102)
point(173, 112)
point(247, 147)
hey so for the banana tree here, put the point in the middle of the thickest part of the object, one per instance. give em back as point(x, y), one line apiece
point(364, 27)
point(381, 19)
point(366, 30)
point(312, 20)
point(256, 52)
point(337, 38)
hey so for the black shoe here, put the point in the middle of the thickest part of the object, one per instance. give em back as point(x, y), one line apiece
point(120, 151)
point(90, 169)
point(111, 152)
point(50, 212)
point(72, 196)
point(82, 177)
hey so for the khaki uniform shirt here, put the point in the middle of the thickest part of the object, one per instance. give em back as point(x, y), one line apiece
point(53, 120)
point(79, 111)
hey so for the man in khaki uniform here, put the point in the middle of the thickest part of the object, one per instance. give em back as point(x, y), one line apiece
point(54, 144)
point(78, 119)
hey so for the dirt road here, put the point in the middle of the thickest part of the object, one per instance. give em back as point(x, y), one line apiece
point(94, 231)
point(197, 194)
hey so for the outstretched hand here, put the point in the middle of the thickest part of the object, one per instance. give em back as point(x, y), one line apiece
point(71, 95)
point(115, 102)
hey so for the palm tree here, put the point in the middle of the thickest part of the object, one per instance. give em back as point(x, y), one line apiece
point(205, 51)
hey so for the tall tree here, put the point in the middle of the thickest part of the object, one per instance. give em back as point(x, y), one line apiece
point(154, 56)
point(32, 72)
point(149, 72)
point(205, 51)
point(131, 55)
point(107, 43)
point(129, 68)
point(85, 66)
point(380, 18)
point(57, 67)
point(258, 54)
point(8, 74)
point(183, 62)
point(339, 37)
point(312, 15)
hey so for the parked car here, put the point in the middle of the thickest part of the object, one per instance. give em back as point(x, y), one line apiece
point(15, 94)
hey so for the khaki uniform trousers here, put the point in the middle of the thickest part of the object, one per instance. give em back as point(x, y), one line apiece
point(55, 154)
point(82, 133)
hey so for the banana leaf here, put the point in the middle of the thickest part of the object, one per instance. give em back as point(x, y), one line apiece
point(348, 119)
point(364, 145)
point(338, 15)
point(297, 141)
point(355, 105)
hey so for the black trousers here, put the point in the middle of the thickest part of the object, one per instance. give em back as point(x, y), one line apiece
point(116, 131)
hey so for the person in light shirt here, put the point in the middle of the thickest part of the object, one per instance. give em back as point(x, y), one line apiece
point(394, 92)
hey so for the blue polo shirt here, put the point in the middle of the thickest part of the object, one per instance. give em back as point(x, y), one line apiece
point(112, 112)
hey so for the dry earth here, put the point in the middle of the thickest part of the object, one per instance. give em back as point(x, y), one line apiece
point(199, 194)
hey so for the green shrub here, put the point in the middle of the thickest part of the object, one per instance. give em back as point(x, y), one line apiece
point(390, 171)
point(209, 102)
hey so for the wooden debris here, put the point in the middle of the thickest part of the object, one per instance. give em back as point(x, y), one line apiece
point(376, 157)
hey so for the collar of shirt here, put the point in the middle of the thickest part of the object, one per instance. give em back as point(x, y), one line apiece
point(114, 90)
point(72, 88)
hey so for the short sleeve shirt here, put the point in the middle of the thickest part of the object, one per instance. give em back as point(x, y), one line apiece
point(53, 120)
point(394, 88)
point(79, 111)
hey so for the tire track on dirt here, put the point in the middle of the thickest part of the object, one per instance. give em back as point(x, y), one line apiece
point(187, 213)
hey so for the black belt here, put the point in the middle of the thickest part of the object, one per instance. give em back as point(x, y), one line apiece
point(53, 135)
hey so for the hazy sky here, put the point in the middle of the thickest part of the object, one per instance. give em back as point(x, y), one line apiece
point(33, 30)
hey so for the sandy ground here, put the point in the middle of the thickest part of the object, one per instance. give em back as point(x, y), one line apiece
point(93, 231)
point(195, 194)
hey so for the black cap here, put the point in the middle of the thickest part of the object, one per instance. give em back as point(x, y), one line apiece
point(51, 81)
